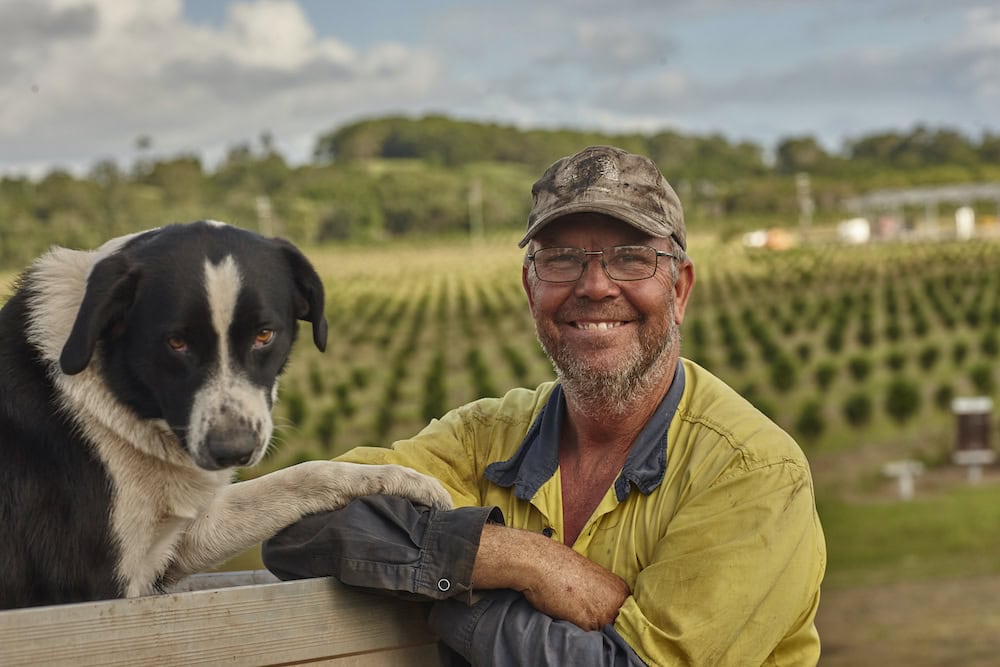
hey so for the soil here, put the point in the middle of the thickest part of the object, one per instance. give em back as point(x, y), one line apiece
point(946, 622)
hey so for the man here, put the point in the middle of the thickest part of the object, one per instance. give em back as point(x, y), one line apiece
point(636, 511)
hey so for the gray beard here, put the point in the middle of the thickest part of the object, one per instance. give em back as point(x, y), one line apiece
point(614, 394)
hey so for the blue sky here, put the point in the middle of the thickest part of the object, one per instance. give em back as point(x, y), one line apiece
point(80, 80)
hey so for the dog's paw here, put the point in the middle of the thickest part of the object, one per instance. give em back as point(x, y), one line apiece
point(397, 480)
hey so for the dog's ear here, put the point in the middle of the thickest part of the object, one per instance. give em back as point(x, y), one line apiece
point(110, 290)
point(309, 295)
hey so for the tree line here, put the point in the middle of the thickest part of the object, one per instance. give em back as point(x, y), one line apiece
point(399, 176)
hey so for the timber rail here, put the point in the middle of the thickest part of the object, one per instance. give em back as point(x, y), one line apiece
point(231, 618)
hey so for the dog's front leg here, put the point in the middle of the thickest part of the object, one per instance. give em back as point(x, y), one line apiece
point(247, 513)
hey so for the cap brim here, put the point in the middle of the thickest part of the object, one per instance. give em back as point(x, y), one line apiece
point(625, 214)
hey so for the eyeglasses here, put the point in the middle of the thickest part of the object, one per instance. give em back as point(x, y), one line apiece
point(624, 262)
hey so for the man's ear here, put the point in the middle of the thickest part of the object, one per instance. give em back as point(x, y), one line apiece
point(110, 291)
point(309, 295)
point(682, 290)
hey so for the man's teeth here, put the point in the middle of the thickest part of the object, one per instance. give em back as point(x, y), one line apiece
point(597, 325)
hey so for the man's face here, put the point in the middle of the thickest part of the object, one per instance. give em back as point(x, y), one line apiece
point(599, 329)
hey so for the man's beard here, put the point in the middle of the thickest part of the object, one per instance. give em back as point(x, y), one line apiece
point(614, 392)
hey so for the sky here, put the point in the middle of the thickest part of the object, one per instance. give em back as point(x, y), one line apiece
point(82, 80)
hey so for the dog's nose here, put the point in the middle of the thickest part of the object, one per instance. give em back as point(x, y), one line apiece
point(228, 448)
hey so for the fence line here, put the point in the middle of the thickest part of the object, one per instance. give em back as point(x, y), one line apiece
point(243, 618)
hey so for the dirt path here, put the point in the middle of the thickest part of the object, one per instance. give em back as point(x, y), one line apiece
point(948, 622)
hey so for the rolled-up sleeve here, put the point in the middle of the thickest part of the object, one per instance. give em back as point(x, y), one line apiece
point(384, 543)
point(502, 628)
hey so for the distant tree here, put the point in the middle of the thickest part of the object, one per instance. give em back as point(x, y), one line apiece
point(902, 399)
point(802, 153)
point(983, 378)
point(858, 409)
point(810, 423)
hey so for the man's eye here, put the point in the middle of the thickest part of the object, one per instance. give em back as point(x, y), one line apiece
point(562, 259)
point(263, 338)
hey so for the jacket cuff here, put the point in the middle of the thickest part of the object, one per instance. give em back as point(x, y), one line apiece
point(448, 551)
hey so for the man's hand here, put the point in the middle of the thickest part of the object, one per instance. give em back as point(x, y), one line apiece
point(555, 579)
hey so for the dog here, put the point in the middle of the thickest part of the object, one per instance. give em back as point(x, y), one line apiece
point(133, 379)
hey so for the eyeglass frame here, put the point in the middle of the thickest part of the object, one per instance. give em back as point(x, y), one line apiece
point(583, 266)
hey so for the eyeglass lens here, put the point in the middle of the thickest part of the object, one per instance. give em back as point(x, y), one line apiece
point(621, 262)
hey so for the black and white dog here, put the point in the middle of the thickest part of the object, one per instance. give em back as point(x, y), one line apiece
point(133, 378)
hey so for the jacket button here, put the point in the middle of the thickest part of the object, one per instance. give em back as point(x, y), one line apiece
point(444, 585)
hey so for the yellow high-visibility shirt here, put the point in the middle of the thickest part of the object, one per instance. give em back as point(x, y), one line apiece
point(712, 521)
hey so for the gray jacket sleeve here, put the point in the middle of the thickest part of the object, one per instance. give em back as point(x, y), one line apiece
point(389, 544)
point(384, 543)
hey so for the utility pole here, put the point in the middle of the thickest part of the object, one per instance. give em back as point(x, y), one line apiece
point(803, 190)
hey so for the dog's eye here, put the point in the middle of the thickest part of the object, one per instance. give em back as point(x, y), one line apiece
point(177, 344)
point(263, 338)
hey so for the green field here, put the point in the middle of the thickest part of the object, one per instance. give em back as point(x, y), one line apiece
point(843, 346)
point(857, 351)
point(894, 331)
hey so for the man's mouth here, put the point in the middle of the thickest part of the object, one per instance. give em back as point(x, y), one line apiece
point(591, 326)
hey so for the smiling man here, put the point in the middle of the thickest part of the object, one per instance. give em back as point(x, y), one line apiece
point(635, 511)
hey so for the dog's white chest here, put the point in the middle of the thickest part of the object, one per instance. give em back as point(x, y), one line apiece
point(154, 505)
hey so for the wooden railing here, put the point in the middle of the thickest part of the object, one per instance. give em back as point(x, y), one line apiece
point(240, 618)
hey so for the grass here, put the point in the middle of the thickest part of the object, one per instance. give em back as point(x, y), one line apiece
point(955, 532)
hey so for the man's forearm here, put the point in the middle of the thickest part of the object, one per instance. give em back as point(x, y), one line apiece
point(440, 554)
point(502, 628)
point(554, 578)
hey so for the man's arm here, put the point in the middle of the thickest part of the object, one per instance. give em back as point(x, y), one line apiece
point(551, 576)
point(387, 543)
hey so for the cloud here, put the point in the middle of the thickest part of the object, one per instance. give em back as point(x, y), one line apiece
point(81, 79)
point(23, 23)
point(88, 77)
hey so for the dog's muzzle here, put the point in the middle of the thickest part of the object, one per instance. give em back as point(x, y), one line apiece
point(227, 447)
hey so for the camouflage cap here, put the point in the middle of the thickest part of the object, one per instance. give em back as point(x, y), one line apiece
point(608, 180)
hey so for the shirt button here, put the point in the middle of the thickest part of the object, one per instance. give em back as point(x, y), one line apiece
point(547, 531)
point(444, 585)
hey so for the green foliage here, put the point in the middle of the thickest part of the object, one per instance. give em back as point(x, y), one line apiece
point(342, 397)
point(783, 373)
point(317, 381)
point(326, 429)
point(858, 409)
point(990, 343)
point(928, 356)
point(895, 360)
point(295, 406)
point(518, 364)
point(826, 372)
point(435, 403)
point(482, 377)
point(943, 396)
point(902, 399)
point(959, 351)
point(982, 377)
point(810, 422)
point(859, 367)
point(360, 377)
point(391, 176)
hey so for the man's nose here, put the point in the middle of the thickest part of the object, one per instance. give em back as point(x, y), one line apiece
point(595, 283)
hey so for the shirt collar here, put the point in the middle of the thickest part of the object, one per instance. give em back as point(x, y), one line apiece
point(537, 459)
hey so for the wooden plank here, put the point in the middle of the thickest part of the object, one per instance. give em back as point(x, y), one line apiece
point(424, 655)
point(209, 580)
point(309, 621)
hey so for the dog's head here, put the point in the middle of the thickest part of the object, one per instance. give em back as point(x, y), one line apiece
point(193, 324)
